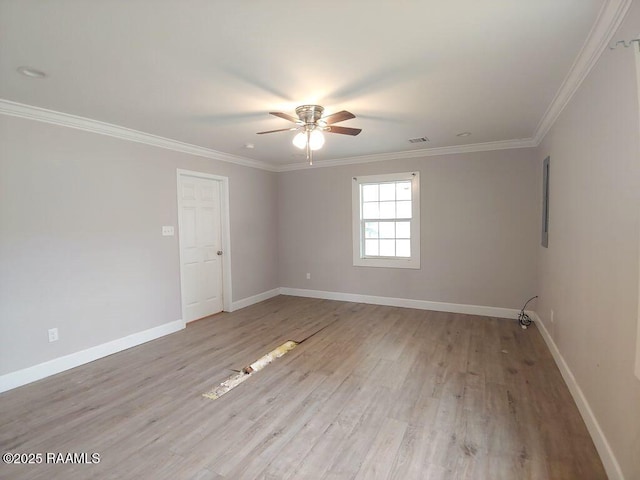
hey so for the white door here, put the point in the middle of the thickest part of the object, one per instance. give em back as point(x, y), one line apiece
point(200, 246)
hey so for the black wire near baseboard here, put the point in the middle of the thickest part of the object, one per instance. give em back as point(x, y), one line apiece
point(523, 318)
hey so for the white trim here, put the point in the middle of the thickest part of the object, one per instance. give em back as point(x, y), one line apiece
point(609, 460)
point(67, 362)
point(424, 152)
point(225, 224)
point(609, 19)
point(404, 302)
point(8, 107)
point(248, 301)
point(15, 109)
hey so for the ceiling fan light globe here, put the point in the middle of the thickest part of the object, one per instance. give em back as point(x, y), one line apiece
point(316, 140)
point(300, 140)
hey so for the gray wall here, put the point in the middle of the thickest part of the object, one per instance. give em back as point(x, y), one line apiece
point(589, 273)
point(80, 244)
point(80, 238)
point(479, 230)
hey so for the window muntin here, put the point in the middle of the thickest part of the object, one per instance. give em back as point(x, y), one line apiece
point(385, 219)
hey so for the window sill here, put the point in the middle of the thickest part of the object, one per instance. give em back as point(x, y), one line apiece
point(411, 263)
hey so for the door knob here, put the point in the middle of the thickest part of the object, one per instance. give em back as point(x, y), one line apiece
point(219, 252)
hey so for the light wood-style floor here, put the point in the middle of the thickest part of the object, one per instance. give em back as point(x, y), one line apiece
point(381, 392)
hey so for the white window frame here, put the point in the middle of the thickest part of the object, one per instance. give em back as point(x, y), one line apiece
point(359, 259)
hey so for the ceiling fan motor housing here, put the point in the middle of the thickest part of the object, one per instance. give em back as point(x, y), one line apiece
point(309, 114)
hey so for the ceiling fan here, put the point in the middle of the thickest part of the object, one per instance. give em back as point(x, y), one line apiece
point(310, 124)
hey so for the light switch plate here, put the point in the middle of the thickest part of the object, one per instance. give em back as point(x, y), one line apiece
point(168, 231)
point(53, 335)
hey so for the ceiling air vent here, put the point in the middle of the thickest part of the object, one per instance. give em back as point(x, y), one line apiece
point(418, 140)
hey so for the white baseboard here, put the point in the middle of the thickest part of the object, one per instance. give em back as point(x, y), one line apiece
point(404, 302)
point(611, 465)
point(57, 365)
point(261, 297)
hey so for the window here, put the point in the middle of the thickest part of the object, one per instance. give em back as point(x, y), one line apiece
point(386, 220)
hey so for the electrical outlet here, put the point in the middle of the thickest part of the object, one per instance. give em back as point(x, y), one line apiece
point(308, 276)
point(53, 335)
point(551, 317)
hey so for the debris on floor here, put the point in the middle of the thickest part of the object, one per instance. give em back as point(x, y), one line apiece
point(239, 377)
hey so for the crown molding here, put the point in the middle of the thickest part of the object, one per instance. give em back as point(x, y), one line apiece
point(604, 28)
point(8, 107)
point(609, 19)
point(21, 110)
point(424, 152)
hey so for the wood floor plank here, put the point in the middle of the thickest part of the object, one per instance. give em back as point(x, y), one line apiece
point(295, 443)
point(328, 445)
point(354, 448)
point(409, 461)
point(377, 392)
point(382, 453)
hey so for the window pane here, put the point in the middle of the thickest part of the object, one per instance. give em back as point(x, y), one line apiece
point(387, 191)
point(403, 191)
point(404, 210)
point(403, 248)
point(403, 229)
point(371, 230)
point(370, 210)
point(369, 193)
point(387, 210)
point(387, 230)
point(371, 248)
point(387, 248)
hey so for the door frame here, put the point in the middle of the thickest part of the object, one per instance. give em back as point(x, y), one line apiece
point(225, 234)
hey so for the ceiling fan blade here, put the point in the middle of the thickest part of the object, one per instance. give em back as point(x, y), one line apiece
point(279, 130)
point(338, 117)
point(345, 130)
point(286, 116)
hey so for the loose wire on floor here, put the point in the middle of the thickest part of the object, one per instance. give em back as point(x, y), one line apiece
point(523, 318)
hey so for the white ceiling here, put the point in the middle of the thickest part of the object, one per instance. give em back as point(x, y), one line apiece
point(207, 72)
